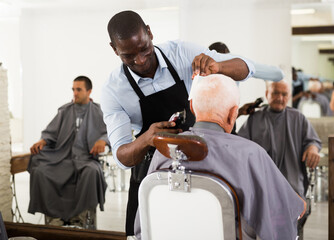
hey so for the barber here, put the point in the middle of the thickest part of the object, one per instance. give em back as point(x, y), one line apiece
point(151, 85)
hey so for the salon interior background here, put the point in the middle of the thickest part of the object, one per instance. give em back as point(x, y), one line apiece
point(45, 44)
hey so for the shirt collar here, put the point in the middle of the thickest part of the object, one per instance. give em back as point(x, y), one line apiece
point(161, 61)
point(274, 112)
point(209, 125)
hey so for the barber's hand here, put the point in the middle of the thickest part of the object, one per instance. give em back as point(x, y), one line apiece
point(204, 65)
point(37, 146)
point(244, 109)
point(98, 147)
point(311, 156)
point(160, 127)
point(309, 94)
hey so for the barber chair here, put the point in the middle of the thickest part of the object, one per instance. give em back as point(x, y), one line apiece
point(114, 176)
point(310, 108)
point(178, 203)
point(19, 163)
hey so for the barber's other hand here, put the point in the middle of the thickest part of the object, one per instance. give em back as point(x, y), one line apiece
point(98, 147)
point(244, 109)
point(37, 146)
point(204, 65)
point(160, 127)
point(311, 156)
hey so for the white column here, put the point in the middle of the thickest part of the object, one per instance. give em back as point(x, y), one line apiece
point(5, 191)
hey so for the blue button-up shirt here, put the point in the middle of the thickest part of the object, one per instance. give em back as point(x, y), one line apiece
point(120, 104)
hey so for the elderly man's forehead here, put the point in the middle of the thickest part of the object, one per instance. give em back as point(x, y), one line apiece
point(280, 85)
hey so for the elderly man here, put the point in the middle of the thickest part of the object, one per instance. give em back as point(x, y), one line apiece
point(287, 136)
point(269, 206)
point(66, 178)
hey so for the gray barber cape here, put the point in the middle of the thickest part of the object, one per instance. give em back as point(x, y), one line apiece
point(268, 204)
point(65, 179)
point(285, 136)
point(323, 102)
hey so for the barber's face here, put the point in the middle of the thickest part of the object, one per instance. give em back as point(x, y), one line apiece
point(80, 93)
point(137, 53)
point(278, 95)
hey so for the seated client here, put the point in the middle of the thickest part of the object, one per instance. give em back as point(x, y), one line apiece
point(66, 178)
point(269, 206)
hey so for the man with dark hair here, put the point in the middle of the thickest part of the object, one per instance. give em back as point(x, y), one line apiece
point(152, 84)
point(88, 82)
point(66, 178)
point(219, 47)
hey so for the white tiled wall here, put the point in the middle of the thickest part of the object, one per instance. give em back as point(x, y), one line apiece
point(5, 191)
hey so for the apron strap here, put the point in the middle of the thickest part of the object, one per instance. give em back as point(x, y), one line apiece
point(132, 82)
point(170, 67)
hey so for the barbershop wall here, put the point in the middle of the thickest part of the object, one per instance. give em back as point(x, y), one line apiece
point(10, 57)
point(58, 45)
point(5, 191)
point(249, 28)
point(306, 54)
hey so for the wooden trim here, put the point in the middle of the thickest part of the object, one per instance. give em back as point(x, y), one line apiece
point(19, 163)
point(313, 30)
point(43, 232)
point(331, 187)
point(326, 51)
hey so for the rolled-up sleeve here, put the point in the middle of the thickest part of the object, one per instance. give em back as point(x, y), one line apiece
point(219, 57)
point(117, 122)
point(268, 72)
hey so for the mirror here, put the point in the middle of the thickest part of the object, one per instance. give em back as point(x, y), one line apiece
point(313, 49)
point(313, 52)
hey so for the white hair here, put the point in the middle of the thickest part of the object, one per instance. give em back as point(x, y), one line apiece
point(270, 83)
point(216, 94)
point(314, 86)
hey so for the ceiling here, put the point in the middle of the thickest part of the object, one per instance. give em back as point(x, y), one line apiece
point(323, 9)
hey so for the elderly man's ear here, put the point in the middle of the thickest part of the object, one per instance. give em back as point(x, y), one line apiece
point(191, 106)
point(232, 116)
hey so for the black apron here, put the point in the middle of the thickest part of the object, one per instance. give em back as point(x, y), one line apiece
point(156, 107)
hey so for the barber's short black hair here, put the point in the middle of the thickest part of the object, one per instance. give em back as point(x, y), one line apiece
point(124, 25)
point(219, 47)
point(88, 82)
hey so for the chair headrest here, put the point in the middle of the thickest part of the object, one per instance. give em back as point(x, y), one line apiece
point(193, 146)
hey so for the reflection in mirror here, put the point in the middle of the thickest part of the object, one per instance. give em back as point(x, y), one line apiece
point(312, 58)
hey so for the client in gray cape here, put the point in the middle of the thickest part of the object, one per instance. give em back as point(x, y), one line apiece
point(286, 135)
point(269, 206)
point(66, 177)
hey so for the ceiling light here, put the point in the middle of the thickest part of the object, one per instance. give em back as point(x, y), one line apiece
point(318, 38)
point(302, 11)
